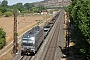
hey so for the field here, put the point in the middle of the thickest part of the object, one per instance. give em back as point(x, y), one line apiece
point(7, 23)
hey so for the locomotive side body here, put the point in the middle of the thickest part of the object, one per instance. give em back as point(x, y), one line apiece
point(32, 39)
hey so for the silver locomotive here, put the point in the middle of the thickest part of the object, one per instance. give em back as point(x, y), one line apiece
point(31, 40)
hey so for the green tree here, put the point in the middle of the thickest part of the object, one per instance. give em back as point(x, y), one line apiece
point(79, 15)
point(20, 7)
point(4, 3)
point(28, 6)
point(0, 3)
point(3, 9)
point(41, 7)
point(0, 13)
point(2, 38)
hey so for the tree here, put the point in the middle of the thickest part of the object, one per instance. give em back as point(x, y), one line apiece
point(3, 9)
point(41, 7)
point(0, 3)
point(79, 15)
point(0, 13)
point(19, 6)
point(2, 38)
point(4, 3)
point(28, 6)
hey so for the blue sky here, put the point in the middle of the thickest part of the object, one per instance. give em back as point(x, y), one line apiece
point(11, 2)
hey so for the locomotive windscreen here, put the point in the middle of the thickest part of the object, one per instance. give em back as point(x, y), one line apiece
point(27, 42)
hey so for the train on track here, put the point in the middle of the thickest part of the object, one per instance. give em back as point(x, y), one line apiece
point(33, 38)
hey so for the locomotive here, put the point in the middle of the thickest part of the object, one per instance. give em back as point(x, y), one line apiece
point(32, 39)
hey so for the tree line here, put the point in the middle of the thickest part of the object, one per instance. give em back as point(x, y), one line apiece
point(7, 10)
point(80, 19)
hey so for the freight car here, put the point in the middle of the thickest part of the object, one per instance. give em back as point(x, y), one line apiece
point(31, 40)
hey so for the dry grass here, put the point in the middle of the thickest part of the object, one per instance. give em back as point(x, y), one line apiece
point(24, 22)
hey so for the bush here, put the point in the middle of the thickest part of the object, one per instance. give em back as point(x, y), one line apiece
point(7, 14)
point(2, 43)
point(3, 9)
point(2, 38)
point(0, 13)
point(51, 11)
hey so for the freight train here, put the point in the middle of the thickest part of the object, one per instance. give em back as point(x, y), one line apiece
point(33, 38)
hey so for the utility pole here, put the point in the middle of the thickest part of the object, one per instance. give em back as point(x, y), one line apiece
point(15, 45)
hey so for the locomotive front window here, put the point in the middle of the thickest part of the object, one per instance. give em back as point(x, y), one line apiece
point(27, 42)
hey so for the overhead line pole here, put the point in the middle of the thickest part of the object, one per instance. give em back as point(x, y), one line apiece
point(15, 44)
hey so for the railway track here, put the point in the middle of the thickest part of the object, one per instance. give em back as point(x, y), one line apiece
point(19, 57)
point(52, 46)
point(48, 48)
point(25, 58)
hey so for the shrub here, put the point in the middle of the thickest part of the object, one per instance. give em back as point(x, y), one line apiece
point(0, 13)
point(2, 38)
point(51, 11)
point(3, 9)
point(7, 14)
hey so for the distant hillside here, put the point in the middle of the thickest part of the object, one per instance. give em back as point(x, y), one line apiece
point(53, 2)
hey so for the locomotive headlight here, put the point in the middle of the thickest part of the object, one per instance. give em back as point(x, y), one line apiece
point(32, 38)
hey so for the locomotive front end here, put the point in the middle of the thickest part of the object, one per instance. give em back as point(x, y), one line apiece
point(28, 45)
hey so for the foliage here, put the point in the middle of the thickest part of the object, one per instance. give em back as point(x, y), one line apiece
point(2, 38)
point(51, 11)
point(20, 8)
point(29, 6)
point(4, 3)
point(41, 7)
point(7, 14)
point(0, 13)
point(79, 15)
point(3, 9)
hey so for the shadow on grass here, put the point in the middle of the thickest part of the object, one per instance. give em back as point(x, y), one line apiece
point(71, 52)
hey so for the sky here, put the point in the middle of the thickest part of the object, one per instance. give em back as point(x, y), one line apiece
point(11, 2)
